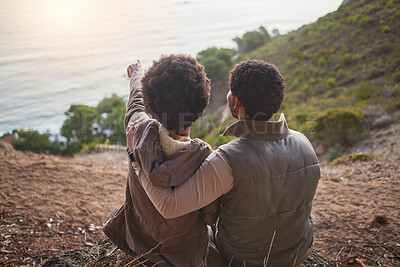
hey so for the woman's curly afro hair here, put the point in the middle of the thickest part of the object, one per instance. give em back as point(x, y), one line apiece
point(259, 87)
point(176, 91)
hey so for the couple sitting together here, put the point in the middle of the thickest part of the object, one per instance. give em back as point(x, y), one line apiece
point(247, 203)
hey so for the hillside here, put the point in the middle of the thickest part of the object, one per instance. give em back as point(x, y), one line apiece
point(50, 204)
point(347, 59)
point(343, 69)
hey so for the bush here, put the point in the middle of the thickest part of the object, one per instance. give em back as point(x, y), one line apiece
point(364, 90)
point(352, 158)
point(322, 61)
point(341, 73)
point(91, 147)
point(392, 104)
point(352, 19)
point(335, 152)
point(364, 22)
point(331, 82)
point(36, 142)
point(338, 126)
point(382, 49)
point(395, 76)
point(373, 9)
point(385, 29)
point(220, 140)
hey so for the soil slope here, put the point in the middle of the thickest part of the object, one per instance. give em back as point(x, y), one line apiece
point(50, 204)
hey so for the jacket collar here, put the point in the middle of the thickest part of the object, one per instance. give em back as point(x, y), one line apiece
point(259, 130)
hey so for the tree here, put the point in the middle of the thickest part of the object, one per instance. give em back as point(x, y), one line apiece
point(217, 62)
point(80, 127)
point(252, 40)
point(109, 103)
point(111, 120)
point(265, 34)
point(275, 33)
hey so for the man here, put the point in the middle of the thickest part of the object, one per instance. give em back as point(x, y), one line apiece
point(265, 216)
point(173, 85)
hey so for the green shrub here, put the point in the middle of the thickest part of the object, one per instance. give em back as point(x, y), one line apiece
point(331, 82)
point(364, 90)
point(92, 145)
point(345, 49)
point(352, 158)
point(392, 104)
point(365, 21)
point(33, 141)
point(340, 72)
point(322, 61)
point(292, 85)
point(220, 140)
point(395, 76)
point(373, 9)
point(334, 152)
point(389, 3)
point(382, 49)
point(385, 29)
point(338, 126)
point(307, 89)
point(353, 19)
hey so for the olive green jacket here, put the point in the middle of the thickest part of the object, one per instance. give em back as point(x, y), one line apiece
point(265, 218)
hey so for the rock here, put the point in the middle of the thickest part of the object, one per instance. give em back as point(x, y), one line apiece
point(5, 146)
point(347, 1)
point(381, 219)
point(382, 121)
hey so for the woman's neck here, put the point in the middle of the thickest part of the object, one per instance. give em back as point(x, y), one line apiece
point(183, 134)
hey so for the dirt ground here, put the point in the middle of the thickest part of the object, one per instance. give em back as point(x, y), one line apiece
point(50, 204)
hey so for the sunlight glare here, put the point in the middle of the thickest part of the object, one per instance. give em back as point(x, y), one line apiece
point(65, 14)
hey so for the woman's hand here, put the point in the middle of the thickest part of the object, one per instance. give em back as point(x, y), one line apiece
point(134, 67)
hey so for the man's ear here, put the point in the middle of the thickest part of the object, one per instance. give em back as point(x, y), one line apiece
point(238, 104)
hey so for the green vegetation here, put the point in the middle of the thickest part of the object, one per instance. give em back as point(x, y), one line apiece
point(218, 63)
point(351, 158)
point(338, 126)
point(253, 39)
point(84, 127)
point(80, 127)
point(335, 152)
point(337, 67)
point(111, 121)
point(335, 70)
point(33, 141)
point(209, 128)
point(385, 29)
point(88, 126)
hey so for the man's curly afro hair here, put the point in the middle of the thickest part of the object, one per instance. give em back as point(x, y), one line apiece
point(259, 87)
point(176, 91)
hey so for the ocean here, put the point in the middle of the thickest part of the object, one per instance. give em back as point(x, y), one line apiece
point(54, 53)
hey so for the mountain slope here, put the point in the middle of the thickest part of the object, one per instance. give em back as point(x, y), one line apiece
point(349, 59)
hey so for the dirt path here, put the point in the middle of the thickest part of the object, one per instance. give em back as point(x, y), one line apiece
point(50, 204)
point(357, 212)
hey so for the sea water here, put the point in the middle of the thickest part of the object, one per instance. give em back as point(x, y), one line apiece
point(54, 53)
